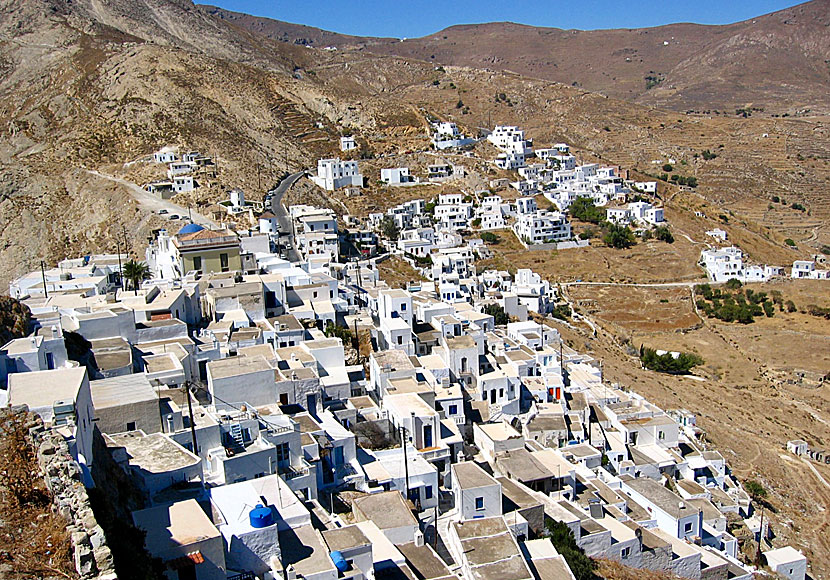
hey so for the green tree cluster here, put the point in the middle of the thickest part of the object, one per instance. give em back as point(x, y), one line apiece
point(563, 540)
point(389, 228)
point(733, 304)
point(663, 233)
point(335, 331)
point(667, 363)
point(489, 238)
point(135, 272)
point(561, 311)
point(617, 236)
point(583, 209)
point(497, 312)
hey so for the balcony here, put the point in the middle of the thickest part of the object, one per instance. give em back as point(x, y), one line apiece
point(290, 472)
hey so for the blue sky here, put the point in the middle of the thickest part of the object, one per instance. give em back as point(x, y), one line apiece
point(411, 18)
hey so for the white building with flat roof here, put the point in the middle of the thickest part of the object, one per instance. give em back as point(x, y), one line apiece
point(542, 227)
point(184, 538)
point(788, 562)
point(333, 174)
point(63, 400)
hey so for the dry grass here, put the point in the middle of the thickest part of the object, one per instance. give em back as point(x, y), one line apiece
point(651, 261)
point(396, 272)
point(35, 542)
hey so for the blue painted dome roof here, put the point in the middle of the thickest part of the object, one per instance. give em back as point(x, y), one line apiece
point(190, 229)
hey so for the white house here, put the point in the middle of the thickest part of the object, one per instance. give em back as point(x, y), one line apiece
point(333, 174)
point(63, 400)
point(184, 538)
point(477, 494)
point(542, 227)
point(183, 183)
point(165, 155)
point(807, 269)
point(347, 143)
point(727, 263)
point(510, 139)
point(396, 176)
point(788, 562)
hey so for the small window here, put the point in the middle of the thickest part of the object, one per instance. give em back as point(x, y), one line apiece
point(223, 262)
point(479, 503)
point(131, 426)
point(661, 435)
point(197, 263)
point(400, 340)
point(315, 294)
point(403, 307)
point(625, 552)
point(453, 409)
point(428, 492)
point(688, 527)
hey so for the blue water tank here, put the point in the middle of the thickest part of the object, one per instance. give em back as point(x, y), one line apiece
point(261, 517)
point(339, 561)
point(190, 229)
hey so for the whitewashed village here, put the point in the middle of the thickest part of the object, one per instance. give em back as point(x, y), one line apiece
point(278, 411)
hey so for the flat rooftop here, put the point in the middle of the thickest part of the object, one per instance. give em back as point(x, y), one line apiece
point(468, 475)
point(490, 550)
point(154, 453)
point(124, 390)
point(662, 497)
point(237, 366)
point(345, 538)
point(185, 523)
point(303, 548)
point(424, 561)
point(41, 389)
point(387, 510)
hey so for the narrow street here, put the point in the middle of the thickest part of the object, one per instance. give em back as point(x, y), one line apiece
point(283, 218)
point(152, 203)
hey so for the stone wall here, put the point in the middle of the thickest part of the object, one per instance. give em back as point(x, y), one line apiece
point(62, 474)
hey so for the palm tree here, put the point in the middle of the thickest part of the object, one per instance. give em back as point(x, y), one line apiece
point(135, 272)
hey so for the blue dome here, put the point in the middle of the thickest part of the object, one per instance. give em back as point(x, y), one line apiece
point(190, 229)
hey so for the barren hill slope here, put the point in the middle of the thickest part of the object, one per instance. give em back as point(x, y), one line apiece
point(779, 61)
point(94, 85)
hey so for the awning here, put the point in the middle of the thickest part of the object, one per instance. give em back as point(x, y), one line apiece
point(190, 559)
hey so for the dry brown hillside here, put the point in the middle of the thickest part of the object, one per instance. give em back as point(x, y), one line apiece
point(779, 62)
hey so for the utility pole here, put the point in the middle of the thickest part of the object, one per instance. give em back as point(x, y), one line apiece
point(120, 269)
point(43, 276)
point(192, 424)
point(405, 464)
point(357, 340)
point(760, 539)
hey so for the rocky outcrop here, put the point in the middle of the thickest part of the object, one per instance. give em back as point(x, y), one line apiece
point(62, 474)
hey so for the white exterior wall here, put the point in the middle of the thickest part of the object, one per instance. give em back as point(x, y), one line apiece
point(257, 388)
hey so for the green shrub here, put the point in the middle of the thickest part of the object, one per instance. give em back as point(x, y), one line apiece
point(561, 311)
point(663, 234)
point(666, 363)
point(583, 209)
point(489, 238)
point(668, 167)
point(497, 312)
point(563, 540)
point(790, 242)
point(619, 237)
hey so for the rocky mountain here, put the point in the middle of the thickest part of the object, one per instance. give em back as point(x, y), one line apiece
point(779, 62)
point(88, 89)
